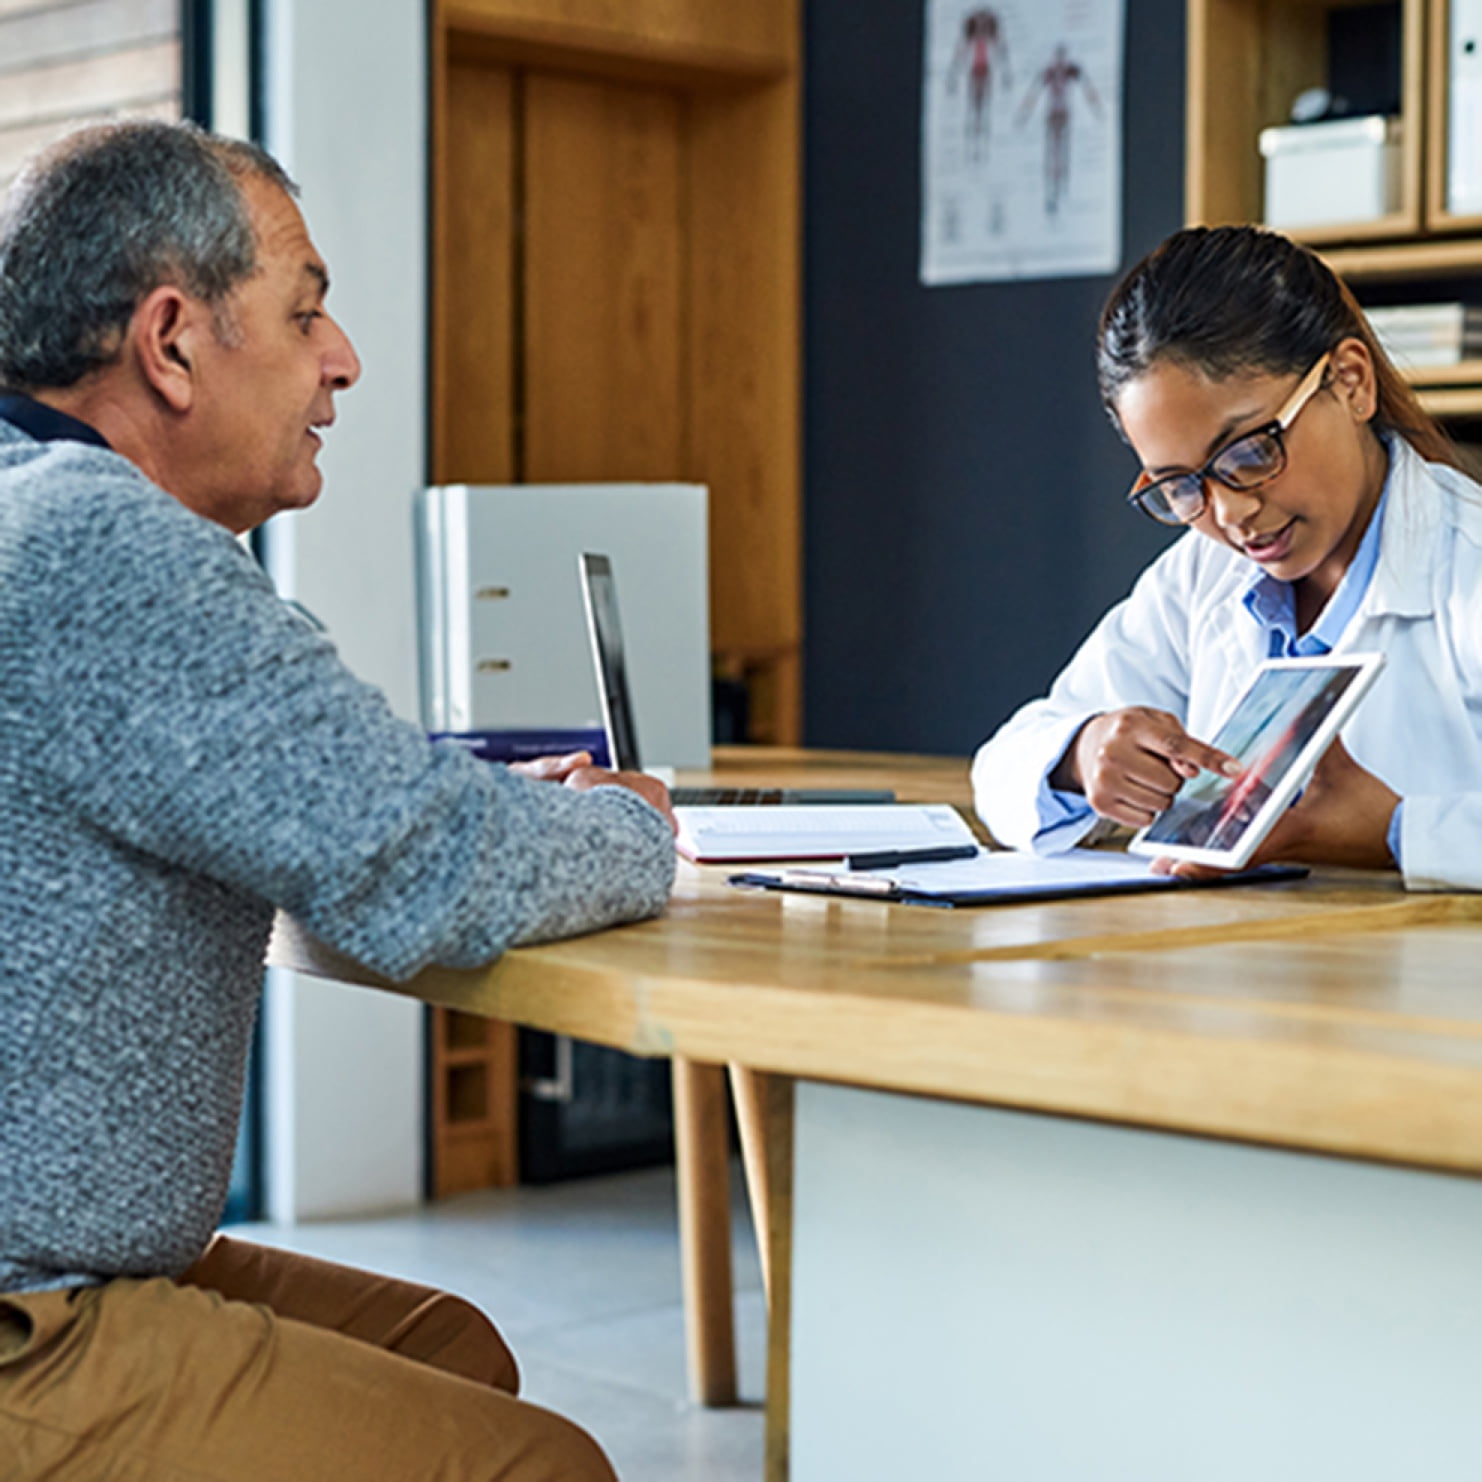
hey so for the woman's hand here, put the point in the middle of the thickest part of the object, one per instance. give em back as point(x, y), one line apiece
point(1343, 818)
point(1129, 763)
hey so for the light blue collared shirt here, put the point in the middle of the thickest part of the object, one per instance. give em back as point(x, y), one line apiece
point(1273, 604)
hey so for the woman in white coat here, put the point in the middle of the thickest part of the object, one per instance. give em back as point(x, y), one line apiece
point(1326, 513)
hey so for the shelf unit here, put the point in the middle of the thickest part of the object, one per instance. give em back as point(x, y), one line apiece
point(1247, 60)
point(617, 296)
point(473, 1063)
point(1439, 216)
point(617, 279)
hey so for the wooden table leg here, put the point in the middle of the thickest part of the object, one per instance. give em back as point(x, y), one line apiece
point(702, 1158)
point(775, 1096)
point(749, 1091)
point(764, 1105)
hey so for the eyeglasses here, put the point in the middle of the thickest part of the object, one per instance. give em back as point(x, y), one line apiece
point(1245, 462)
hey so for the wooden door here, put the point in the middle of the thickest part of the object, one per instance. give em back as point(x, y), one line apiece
point(603, 282)
point(615, 296)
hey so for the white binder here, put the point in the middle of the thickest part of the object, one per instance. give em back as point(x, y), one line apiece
point(501, 633)
point(1464, 107)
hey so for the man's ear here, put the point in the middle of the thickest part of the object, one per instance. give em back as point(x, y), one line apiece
point(165, 335)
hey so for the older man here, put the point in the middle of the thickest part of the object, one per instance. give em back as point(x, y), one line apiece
point(180, 754)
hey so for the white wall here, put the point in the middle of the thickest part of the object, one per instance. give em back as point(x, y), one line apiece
point(346, 114)
point(1048, 1299)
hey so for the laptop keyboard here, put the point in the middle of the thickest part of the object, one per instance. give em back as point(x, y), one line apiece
point(723, 797)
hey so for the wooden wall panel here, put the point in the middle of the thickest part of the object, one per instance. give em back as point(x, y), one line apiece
point(602, 349)
point(473, 1064)
point(45, 32)
point(1224, 44)
point(744, 356)
point(92, 86)
point(474, 327)
point(736, 37)
point(65, 64)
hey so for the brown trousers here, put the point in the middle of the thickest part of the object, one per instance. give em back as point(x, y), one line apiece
point(263, 1366)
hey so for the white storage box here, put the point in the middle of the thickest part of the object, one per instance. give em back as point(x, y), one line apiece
point(1318, 174)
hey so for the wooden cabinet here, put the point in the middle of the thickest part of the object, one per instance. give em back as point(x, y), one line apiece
point(472, 1069)
point(616, 295)
point(1247, 61)
point(616, 280)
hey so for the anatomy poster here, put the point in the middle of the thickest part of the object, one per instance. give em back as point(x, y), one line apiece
point(1021, 139)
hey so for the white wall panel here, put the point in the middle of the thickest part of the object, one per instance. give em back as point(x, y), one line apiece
point(346, 114)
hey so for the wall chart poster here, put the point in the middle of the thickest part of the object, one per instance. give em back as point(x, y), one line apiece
point(1021, 139)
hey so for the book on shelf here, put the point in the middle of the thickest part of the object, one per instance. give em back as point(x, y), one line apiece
point(1415, 335)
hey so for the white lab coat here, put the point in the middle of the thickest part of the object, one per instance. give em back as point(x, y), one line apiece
point(1182, 642)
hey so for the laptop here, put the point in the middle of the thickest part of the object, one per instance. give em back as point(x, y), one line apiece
point(605, 632)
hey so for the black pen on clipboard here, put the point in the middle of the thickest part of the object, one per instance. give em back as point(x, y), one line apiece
point(890, 859)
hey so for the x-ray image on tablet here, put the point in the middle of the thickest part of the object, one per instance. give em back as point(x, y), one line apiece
point(1278, 731)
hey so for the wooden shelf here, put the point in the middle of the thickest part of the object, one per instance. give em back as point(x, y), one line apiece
point(1381, 230)
point(464, 1034)
point(477, 1056)
point(1247, 60)
point(1464, 373)
point(644, 39)
point(1453, 401)
point(1424, 258)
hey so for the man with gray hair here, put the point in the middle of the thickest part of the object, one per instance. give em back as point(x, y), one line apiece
point(180, 755)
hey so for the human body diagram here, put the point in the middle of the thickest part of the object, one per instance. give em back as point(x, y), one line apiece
point(982, 46)
point(1056, 82)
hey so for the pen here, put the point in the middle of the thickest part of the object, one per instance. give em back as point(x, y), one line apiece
point(888, 859)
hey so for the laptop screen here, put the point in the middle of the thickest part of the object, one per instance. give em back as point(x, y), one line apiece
point(605, 630)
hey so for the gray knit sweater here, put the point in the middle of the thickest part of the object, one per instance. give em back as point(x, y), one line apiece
point(179, 754)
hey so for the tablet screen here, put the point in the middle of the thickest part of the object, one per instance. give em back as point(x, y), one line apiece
point(1278, 730)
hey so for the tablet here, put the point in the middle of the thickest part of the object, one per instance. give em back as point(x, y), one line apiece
point(1278, 730)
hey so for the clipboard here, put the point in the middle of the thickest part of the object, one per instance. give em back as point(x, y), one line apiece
point(1002, 877)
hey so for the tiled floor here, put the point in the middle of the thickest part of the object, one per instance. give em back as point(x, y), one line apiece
point(583, 1280)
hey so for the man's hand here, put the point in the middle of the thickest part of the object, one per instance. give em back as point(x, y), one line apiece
point(1129, 763)
point(552, 768)
point(575, 770)
point(650, 789)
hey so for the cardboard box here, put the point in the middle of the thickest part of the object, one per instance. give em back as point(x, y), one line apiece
point(1321, 174)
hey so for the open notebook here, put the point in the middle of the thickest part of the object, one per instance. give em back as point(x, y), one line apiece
point(605, 631)
point(733, 834)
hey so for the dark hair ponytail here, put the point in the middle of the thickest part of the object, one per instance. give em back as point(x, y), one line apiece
point(1227, 299)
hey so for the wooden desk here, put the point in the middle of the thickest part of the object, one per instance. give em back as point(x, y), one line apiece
point(1332, 1016)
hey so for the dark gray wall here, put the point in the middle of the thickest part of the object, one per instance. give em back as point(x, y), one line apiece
point(964, 520)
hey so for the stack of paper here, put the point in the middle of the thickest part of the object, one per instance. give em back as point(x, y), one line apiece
point(726, 835)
